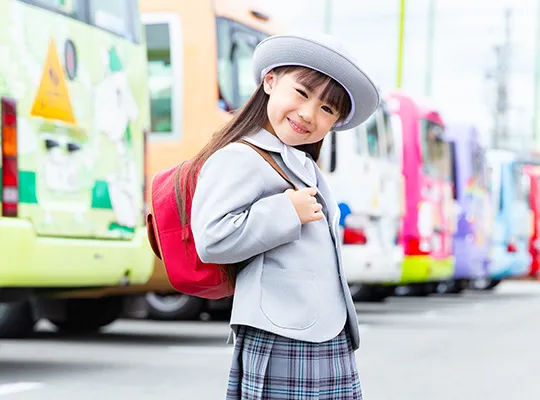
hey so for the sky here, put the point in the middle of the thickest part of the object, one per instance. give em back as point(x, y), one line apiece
point(465, 33)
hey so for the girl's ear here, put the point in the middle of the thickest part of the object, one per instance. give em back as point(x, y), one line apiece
point(269, 82)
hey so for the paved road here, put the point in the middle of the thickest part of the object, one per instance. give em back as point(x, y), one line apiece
point(475, 346)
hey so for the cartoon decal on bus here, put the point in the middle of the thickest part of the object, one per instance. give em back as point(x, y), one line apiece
point(115, 109)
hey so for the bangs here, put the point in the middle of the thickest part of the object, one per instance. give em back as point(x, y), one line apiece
point(332, 92)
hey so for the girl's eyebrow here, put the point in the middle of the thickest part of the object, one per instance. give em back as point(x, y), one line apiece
point(307, 87)
point(310, 90)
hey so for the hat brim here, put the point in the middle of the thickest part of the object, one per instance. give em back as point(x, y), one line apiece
point(283, 50)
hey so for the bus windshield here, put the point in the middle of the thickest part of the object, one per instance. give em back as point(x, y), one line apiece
point(436, 152)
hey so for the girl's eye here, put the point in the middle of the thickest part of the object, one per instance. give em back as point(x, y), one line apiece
point(327, 109)
point(302, 93)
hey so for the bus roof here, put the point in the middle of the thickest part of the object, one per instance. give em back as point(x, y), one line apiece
point(246, 12)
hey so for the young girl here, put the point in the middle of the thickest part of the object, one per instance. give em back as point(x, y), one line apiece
point(293, 317)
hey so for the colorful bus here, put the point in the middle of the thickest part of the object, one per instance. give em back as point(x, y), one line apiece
point(472, 240)
point(533, 172)
point(74, 107)
point(429, 221)
point(199, 64)
point(513, 219)
point(362, 167)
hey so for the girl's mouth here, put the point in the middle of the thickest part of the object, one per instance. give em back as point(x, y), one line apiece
point(297, 128)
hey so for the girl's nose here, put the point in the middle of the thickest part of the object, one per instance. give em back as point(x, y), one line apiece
point(306, 113)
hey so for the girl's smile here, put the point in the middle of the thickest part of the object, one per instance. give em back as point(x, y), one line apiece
point(298, 127)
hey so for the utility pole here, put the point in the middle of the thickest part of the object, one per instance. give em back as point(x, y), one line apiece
point(328, 16)
point(500, 75)
point(400, 44)
point(429, 48)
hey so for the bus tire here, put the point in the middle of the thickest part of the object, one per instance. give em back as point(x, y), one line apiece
point(173, 307)
point(16, 320)
point(485, 284)
point(89, 315)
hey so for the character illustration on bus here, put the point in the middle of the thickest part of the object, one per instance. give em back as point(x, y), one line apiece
point(115, 109)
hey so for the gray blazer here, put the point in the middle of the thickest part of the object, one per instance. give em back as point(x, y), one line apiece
point(295, 287)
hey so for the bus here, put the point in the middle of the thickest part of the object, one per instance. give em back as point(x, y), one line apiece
point(512, 220)
point(532, 171)
point(429, 222)
point(199, 65)
point(472, 240)
point(362, 166)
point(74, 110)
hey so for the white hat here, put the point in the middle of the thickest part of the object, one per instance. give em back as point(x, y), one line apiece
point(323, 53)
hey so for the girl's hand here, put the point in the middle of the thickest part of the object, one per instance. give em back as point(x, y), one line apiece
point(305, 204)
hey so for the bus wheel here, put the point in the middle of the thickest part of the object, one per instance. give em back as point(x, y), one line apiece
point(451, 286)
point(421, 289)
point(379, 293)
point(89, 315)
point(16, 320)
point(485, 284)
point(173, 307)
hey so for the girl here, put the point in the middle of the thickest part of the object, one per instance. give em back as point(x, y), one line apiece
point(293, 317)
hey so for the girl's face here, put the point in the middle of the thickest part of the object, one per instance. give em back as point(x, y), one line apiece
point(296, 113)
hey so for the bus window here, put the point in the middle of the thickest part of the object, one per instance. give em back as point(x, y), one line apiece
point(522, 185)
point(397, 136)
point(236, 44)
point(436, 153)
point(391, 152)
point(160, 77)
point(479, 170)
point(225, 64)
point(73, 8)
point(242, 60)
point(120, 17)
point(373, 136)
point(455, 183)
point(359, 134)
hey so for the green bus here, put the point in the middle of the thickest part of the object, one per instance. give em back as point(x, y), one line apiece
point(74, 110)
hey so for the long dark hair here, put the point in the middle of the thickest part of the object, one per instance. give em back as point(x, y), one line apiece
point(253, 116)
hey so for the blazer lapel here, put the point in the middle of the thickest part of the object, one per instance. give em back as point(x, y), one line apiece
point(331, 205)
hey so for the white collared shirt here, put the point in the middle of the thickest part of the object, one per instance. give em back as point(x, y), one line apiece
point(308, 165)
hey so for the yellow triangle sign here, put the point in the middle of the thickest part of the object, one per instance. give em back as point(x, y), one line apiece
point(52, 98)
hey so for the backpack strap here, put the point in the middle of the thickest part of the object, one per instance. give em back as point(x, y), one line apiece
point(270, 160)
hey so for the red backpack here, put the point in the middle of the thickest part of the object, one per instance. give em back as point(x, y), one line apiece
point(173, 242)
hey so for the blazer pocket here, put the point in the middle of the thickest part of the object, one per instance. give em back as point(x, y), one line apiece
point(289, 298)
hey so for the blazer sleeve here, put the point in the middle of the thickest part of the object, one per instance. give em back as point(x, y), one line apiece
point(230, 220)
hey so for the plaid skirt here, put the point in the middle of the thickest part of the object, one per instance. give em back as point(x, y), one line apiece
point(266, 366)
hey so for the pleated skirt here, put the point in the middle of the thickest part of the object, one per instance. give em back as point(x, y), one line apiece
point(267, 366)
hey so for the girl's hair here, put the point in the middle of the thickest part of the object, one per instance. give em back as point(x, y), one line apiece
point(253, 116)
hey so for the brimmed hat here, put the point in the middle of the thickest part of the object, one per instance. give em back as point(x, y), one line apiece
point(323, 53)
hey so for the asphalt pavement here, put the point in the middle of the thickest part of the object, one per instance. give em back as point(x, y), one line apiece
point(472, 346)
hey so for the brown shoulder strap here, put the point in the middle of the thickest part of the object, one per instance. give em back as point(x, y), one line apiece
point(270, 160)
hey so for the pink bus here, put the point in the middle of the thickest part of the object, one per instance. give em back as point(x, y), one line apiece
point(429, 222)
